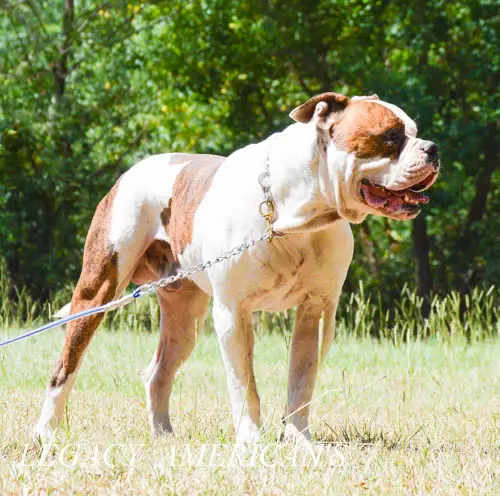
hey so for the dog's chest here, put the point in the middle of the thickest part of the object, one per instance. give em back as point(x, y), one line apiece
point(284, 273)
point(281, 278)
point(289, 272)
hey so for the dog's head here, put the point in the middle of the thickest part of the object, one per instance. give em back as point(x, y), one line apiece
point(375, 161)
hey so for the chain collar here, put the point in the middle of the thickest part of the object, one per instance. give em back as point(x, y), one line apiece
point(267, 207)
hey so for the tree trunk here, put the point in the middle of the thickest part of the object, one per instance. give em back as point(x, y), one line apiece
point(421, 249)
point(467, 242)
point(420, 238)
point(61, 65)
point(483, 181)
point(370, 248)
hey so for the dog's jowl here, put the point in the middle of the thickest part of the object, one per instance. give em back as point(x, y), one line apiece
point(342, 159)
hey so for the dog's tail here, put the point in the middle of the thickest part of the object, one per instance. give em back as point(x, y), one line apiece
point(63, 312)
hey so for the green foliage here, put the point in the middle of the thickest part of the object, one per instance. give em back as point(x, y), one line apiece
point(89, 89)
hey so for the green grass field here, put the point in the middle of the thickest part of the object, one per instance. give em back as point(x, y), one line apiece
point(421, 417)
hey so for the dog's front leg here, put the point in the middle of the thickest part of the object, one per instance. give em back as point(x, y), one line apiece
point(236, 339)
point(304, 357)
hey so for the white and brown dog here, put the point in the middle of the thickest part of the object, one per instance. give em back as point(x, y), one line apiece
point(343, 159)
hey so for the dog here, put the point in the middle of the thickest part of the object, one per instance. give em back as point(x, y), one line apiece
point(342, 159)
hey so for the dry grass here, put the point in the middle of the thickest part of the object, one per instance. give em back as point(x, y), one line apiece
point(422, 417)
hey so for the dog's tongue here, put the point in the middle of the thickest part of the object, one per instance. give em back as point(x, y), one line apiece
point(377, 197)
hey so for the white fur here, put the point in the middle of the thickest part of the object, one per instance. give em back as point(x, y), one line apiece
point(143, 192)
point(63, 312)
point(53, 409)
point(304, 184)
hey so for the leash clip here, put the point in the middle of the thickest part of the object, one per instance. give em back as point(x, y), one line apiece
point(267, 209)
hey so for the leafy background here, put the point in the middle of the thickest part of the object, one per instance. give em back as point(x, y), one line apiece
point(89, 88)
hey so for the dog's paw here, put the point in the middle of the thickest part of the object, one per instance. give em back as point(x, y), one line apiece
point(161, 426)
point(43, 434)
point(301, 438)
point(248, 433)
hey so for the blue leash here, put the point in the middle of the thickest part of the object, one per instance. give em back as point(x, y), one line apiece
point(84, 313)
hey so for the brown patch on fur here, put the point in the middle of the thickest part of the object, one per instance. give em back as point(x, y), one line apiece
point(97, 285)
point(279, 281)
point(369, 130)
point(182, 314)
point(159, 255)
point(305, 112)
point(165, 215)
point(190, 186)
point(157, 262)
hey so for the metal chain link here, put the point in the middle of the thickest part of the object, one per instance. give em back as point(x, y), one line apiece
point(143, 290)
point(265, 176)
point(182, 274)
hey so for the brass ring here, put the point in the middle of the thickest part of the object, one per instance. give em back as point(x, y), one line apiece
point(266, 209)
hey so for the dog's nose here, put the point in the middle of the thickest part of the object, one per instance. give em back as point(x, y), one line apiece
point(431, 149)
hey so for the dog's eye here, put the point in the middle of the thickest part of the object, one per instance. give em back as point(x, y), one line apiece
point(393, 137)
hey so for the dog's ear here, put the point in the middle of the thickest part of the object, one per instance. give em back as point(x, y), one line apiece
point(320, 105)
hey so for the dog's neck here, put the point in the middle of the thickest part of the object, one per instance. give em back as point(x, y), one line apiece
point(303, 182)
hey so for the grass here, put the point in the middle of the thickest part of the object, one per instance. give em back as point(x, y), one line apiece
point(395, 416)
point(360, 315)
point(402, 405)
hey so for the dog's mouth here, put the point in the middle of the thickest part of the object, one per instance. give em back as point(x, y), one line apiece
point(404, 203)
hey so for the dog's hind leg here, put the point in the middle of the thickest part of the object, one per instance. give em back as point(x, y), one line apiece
point(99, 283)
point(182, 311)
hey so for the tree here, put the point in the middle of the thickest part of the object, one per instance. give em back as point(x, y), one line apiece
point(89, 89)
